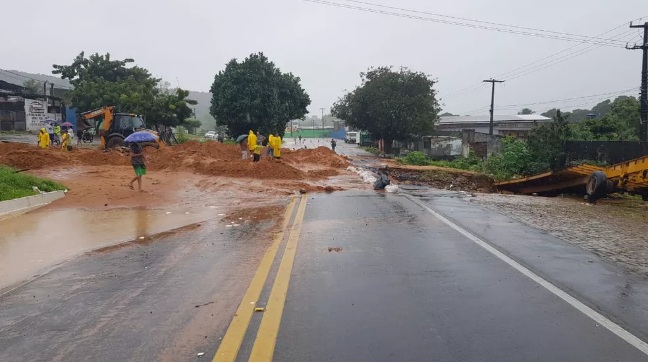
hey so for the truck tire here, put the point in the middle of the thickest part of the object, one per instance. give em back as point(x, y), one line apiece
point(596, 186)
point(115, 141)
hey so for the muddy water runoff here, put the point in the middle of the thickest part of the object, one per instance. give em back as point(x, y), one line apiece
point(33, 242)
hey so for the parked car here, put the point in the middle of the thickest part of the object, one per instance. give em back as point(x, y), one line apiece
point(211, 135)
point(351, 137)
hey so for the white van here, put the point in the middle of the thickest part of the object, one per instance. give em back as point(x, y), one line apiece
point(351, 137)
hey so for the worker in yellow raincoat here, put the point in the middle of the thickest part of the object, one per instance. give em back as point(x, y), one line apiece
point(43, 139)
point(65, 140)
point(277, 144)
point(252, 141)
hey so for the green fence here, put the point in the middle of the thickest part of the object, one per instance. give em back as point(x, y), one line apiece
point(309, 133)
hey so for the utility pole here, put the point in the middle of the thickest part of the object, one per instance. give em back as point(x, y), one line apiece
point(322, 112)
point(643, 81)
point(491, 110)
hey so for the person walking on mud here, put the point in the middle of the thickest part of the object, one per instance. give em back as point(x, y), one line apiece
point(137, 160)
point(64, 141)
point(244, 149)
point(43, 139)
point(333, 145)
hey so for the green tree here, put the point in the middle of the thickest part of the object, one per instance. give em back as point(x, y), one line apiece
point(99, 81)
point(514, 160)
point(256, 95)
point(447, 114)
point(391, 105)
point(546, 144)
point(191, 125)
point(621, 123)
point(170, 107)
point(526, 111)
point(33, 86)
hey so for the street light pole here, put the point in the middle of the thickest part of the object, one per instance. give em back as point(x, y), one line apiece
point(322, 117)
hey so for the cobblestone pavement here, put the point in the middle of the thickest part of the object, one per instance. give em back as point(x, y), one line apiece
point(615, 229)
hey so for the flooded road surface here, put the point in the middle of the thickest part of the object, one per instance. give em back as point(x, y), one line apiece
point(31, 243)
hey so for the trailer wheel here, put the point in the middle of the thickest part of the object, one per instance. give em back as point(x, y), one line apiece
point(596, 186)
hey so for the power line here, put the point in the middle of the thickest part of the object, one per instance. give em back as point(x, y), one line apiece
point(476, 87)
point(416, 17)
point(514, 74)
point(590, 97)
point(479, 21)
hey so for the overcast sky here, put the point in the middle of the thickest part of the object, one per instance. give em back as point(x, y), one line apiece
point(187, 42)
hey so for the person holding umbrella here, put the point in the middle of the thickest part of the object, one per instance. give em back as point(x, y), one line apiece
point(242, 140)
point(137, 157)
point(139, 166)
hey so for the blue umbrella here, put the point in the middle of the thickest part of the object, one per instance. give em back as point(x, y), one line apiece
point(140, 136)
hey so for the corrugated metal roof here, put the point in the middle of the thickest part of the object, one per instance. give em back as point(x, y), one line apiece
point(497, 118)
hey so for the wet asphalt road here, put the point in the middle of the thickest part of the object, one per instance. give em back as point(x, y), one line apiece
point(407, 287)
point(403, 286)
point(165, 299)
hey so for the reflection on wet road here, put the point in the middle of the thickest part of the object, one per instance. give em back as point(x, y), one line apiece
point(32, 242)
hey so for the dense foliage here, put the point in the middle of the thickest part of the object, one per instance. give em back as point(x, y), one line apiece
point(256, 95)
point(390, 104)
point(99, 81)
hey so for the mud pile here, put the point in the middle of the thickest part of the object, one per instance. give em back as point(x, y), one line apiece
point(209, 158)
point(25, 156)
point(213, 158)
point(320, 155)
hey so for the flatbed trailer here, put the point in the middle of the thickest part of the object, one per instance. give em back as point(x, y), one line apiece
point(628, 176)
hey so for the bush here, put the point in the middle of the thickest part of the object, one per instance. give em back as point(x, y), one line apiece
point(514, 161)
point(415, 158)
point(371, 150)
point(182, 136)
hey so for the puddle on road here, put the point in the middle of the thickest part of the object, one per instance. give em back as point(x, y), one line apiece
point(32, 242)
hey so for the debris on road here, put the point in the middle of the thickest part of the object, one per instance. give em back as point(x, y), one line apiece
point(443, 179)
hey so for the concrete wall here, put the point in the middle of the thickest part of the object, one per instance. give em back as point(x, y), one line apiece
point(442, 147)
point(484, 145)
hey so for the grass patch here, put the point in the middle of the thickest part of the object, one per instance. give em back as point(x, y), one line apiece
point(471, 163)
point(371, 150)
point(15, 185)
point(230, 142)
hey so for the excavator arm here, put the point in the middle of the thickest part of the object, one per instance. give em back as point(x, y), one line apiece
point(107, 112)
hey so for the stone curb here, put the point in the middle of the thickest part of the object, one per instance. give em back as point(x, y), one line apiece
point(19, 206)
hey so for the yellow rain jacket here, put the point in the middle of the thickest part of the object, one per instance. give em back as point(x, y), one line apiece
point(64, 141)
point(252, 140)
point(277, 144)
point(43, 139)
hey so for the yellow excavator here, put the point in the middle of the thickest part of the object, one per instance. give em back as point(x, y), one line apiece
point(115, 127)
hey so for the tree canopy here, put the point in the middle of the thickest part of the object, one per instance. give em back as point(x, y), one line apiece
point(391, 104)
point(99, 81)
point(526, 111)
point(622, 122)
point(33, 86)
point(255, 95)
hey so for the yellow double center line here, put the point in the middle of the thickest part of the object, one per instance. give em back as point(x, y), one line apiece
point(264, 344)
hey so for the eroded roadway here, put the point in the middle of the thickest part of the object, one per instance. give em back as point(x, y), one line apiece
point(374, 276)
